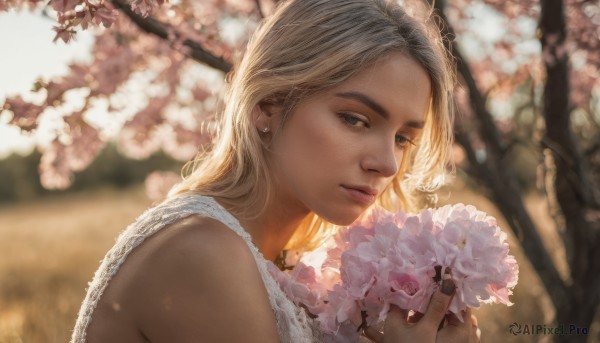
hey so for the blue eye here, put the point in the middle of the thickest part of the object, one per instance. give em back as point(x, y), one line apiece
point(352, 120)
point(402, 141)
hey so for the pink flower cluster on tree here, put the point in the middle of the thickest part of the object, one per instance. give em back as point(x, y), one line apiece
point(121, 56)
point(398, 259)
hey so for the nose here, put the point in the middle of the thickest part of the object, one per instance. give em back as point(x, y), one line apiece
point(383, 158)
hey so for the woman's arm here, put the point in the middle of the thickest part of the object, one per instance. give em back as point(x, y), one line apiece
point(199, 283)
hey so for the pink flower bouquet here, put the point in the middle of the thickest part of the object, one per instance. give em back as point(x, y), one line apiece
point(396, 259)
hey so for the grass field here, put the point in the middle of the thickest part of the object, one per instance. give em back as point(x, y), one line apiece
point(50, 248)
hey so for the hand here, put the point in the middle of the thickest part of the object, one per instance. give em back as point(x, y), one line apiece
point(455, 331)
point(399, 327)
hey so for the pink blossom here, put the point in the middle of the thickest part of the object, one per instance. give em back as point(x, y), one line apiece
point(389, 259)
point(85, 19)
point(56, 89)
point(299, 286)
point(139, 135)
point(341, 307)
point(144, 7)
point(112, 67)
point(358, 275)
point(85, 142)
point(409, 290)
point(184, 143)
point(473, 246)
point(65, 34)
point(53, 168)
point(158, 184)
point(25, 115)
point(105, 16)
point(200, 93)
point(64, 5)
point(71, 152)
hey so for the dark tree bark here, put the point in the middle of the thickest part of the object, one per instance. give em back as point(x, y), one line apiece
point(576, 302)
point(497, 175)
point(572, 184)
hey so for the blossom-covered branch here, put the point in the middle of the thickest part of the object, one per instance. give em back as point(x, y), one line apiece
point(164, 31)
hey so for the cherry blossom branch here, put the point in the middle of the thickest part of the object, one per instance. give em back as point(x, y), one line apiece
point(164, 31)
point(499, 178)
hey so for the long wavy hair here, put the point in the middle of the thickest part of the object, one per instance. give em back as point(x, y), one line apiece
point(306, 47)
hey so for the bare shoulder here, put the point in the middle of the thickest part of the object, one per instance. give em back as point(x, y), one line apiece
point(197, 280)
point(200, 238)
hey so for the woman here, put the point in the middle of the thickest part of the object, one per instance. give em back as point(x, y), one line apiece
point(336, 105)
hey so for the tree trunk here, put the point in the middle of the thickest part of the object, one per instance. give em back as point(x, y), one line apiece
point(498, 177)
point(577, 303)
point(572, 182)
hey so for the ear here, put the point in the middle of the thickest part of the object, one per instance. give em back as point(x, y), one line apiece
point(262, 118)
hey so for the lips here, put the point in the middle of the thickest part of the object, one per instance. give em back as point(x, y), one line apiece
point(362, 194)
point(365, 189)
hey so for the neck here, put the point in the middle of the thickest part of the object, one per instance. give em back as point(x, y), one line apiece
point(274, 227)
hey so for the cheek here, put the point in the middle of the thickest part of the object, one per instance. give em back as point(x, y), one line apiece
point(311, 147)
point(316, 145)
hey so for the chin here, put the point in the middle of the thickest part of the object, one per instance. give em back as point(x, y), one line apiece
point(342, 217)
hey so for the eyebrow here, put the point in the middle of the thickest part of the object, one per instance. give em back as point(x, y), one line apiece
point(376, 107)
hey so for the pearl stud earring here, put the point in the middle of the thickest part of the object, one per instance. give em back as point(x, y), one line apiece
point(265, 130)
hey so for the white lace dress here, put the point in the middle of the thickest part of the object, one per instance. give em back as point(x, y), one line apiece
point(293, 324)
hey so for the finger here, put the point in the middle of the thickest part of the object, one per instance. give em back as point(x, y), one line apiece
point(474, 320)
point(477, 336)
point(398, 314)
point(454, 320)
point(476, 331)
point(396, 319)
point(439, 303)
point(373, 334)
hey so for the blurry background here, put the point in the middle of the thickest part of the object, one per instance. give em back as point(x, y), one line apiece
point(93, 131)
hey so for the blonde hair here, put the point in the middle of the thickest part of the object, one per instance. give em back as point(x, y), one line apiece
point(306, 47)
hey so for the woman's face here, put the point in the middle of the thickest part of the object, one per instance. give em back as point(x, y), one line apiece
point(339, 149)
